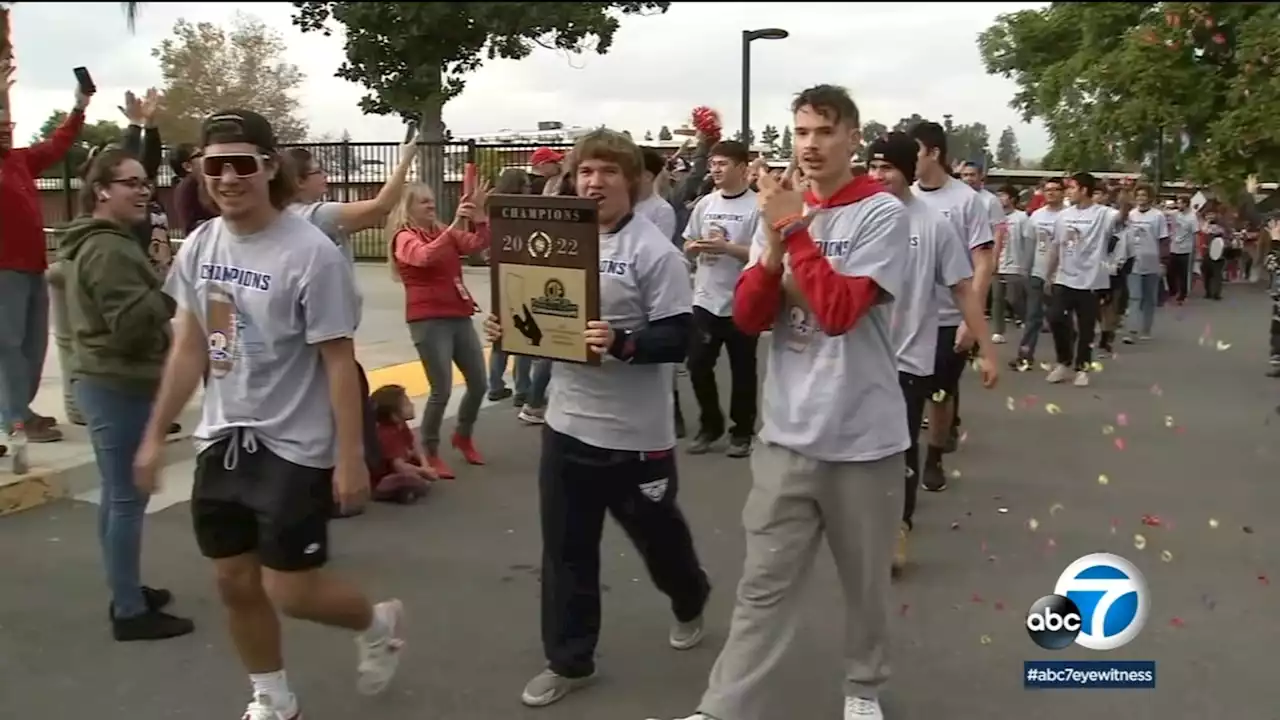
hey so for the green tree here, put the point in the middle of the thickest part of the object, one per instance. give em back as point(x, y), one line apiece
point(1007, 153)
point(769, 136)
point(1111, 81)
point(93, 135)
point(664, 133)
point(873, 129)
point(414, 57)
point(751, 138)
point(786, 146)
point(969, 142)
point(906, 123)
point(207, 68)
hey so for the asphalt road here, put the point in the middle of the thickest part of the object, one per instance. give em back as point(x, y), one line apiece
point(465, 563)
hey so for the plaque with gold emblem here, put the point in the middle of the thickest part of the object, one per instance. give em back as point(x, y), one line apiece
point(545, 265)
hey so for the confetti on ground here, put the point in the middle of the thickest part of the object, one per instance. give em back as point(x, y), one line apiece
point(1120, 443)
point(1054, 508)
point(955, 474)
point(1031, 400)
point(1095, 366)
point(955, 526)
point(985, 639)
point(964, 436)
point(1213, 523)
point(976, 598)
point(1052, 409)
point(1033, 524)
point(1104, 480)
point(1140, 542)
point(1152, 520)
point(1247, 530)
point(1263, 579)
point(1051, 544)
point(1011, 404)
point(1223, 346)
point(1209, 602)
point(1166, 556)
point(1122, 420)
point(1177, 622)
point(903, 610)
point(940, 396)
point(984, 547)
point(1180, 430)
point(1108, 430)
point(1168, 421)
point(1155, 390)
point(1003, 511)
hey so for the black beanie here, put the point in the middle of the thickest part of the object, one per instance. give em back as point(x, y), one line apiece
point(898, 150)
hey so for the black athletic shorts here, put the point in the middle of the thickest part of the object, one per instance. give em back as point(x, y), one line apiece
point(948, 365)
point(258, 502)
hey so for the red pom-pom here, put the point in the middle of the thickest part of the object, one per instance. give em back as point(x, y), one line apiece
point(707, 121)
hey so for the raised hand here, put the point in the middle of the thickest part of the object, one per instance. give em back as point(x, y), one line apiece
point(778, 202)
point(132, 108)
point(150, 104)
point(7, 73)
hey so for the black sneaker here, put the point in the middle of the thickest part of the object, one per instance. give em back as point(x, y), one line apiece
point(155, 598)
point(150, 625)
point(503, 394)
point(702, 444)
point(1273, 372)
point(953, 440)
point(933, 478)
point(519, 400)
point(739, 448)
point(680, 429)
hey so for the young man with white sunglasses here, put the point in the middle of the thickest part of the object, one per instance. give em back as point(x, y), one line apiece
point(267, 304)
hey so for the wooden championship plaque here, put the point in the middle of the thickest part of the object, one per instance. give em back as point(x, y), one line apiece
point(544, 261)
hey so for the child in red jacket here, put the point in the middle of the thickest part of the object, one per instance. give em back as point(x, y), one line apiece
point(404, 475)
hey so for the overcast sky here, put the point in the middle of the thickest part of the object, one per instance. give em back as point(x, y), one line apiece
point(896, 59)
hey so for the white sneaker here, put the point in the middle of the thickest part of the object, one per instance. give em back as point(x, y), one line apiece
point(263, 708)
point(380, 658)
point(686, 636)
point(1082, 379)
point(856, 708)
point(997, 339)
point(1059, 373)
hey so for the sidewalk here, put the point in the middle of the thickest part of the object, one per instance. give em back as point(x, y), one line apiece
point(68, 469)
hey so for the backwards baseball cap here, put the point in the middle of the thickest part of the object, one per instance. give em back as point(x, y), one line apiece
point(239, 126)
point(897, 149)
point(545, 156)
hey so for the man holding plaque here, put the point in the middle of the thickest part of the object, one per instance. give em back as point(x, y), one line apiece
point(825, 267)
point(608, 445)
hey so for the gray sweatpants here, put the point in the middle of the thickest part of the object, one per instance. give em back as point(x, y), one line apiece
point(441, 342)
point(793, 500)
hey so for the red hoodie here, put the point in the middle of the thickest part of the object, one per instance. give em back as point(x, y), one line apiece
point(22, 244)
point(430, 266)
point(838, 301)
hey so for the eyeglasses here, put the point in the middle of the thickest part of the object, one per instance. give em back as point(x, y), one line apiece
point(133, 183)
point(242, 164)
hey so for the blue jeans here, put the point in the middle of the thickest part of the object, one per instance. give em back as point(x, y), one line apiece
point(24, 339)
point(116, 420)
point(1034, 320)
point(498, 368)
point(541, 379)
point(1143, 292)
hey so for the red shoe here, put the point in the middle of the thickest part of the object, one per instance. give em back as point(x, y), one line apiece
point(468, 449)
point(442, 470)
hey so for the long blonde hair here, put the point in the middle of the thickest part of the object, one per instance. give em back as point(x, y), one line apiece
point(399, 220)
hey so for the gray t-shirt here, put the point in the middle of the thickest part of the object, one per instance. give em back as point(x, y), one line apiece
point(836, 398)
point(1147, 228)
point(659, 212)
point(937, 262)
point(1081, 238)
point(971, 217)
point(1019, 245)
point(265, 302)
point(1043, 223)
point(730, 218)
point(326, 216)
point(617, 405)
point(1185, 227)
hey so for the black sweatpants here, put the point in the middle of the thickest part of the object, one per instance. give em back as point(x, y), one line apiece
point(1179, 275)
point(711, 333)
point(1211, 275)
point(577, 485)
point(915, 391)
point(1073, 316)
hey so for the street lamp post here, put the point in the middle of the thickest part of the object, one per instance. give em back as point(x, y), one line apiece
point(747, 37)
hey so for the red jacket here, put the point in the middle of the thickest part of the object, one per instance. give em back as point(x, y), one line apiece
point(22, 244)
point(430, 266)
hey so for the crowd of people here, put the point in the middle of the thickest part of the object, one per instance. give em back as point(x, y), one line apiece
point(867, 290)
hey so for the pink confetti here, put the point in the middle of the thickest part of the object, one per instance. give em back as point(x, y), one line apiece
point(1155, 390)
point(1120, 443)
point(1177, 622)
point(903, 610)
point(1151, 520)
point(984, 547)
point(1051, 544)
point(1179, 430)
point(1262, 579)
point(1115, 523)
point(999, 605)
point(1030, 401)
point(976, 598)
point(1122, 420)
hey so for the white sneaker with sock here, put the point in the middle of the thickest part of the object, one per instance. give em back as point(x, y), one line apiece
point(1082, 379)
point(263, 707)
point(379, 648)
point(857, 708)
point(1059, 373)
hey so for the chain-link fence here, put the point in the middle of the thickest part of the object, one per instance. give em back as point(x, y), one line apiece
point(356, 171)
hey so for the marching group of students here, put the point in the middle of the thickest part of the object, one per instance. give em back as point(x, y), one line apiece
point(871, 286)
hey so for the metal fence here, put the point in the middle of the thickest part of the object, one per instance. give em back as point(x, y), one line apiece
point(356, 171)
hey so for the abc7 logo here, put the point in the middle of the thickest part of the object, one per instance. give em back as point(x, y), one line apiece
point(1100, 603)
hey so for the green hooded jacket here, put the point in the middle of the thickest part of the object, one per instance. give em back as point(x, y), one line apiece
point(118, 316)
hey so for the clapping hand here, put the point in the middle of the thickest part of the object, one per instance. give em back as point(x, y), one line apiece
point(7, 70)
